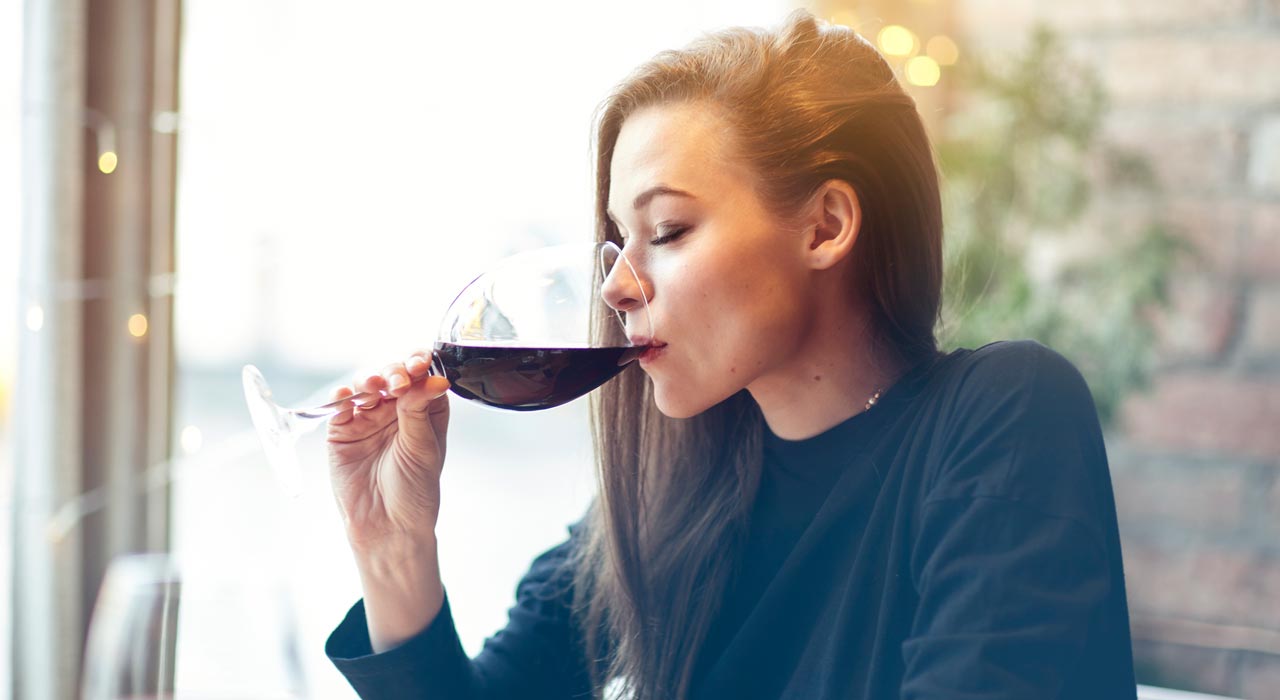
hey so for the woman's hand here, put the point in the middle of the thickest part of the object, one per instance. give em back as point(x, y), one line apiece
point(385, 458)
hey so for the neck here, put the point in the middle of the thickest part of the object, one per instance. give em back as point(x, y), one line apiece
point(833, 374)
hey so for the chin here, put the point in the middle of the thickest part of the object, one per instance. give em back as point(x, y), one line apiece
point(676, 411)
point(681, 404)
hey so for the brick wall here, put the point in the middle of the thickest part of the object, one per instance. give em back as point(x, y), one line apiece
point(1195, 85)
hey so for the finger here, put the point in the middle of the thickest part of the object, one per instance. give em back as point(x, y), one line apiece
point(417, 365)
point(347, 411)
point(396, 377)
point(372, 384)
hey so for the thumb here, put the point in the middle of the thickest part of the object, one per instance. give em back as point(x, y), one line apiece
point(423, 413)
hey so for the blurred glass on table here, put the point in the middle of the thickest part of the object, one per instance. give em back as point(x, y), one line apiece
point(151, 622)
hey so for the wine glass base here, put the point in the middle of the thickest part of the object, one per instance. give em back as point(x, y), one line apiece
point(275, 428)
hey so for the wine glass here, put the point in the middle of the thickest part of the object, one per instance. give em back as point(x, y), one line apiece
point(131, 642)
point(157, 632)
point(530, 333)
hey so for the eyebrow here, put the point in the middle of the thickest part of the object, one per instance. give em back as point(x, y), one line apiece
point(642, 200)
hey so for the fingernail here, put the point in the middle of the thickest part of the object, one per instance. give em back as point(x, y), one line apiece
point(396, 381)
point(414, 363)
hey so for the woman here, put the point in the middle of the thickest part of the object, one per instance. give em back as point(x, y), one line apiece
point(800, 496)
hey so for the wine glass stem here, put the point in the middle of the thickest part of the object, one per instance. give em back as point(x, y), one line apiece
point(335, 407)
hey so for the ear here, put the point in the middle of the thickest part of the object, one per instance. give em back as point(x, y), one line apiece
point(832, 225)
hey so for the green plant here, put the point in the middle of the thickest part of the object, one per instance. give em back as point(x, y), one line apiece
point(1027, 253)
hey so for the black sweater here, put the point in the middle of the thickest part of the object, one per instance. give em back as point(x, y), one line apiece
point(958, 540)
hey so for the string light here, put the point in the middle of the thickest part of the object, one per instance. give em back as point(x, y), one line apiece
point(923, 71)
point(138, 325)
point(943, 50)
point(107, 162)
point(896, 40)
point(104, 139)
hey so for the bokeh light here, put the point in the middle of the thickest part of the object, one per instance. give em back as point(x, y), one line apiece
point(845, 18)
point(923, 71)
point(943, 50)
point(138, 325)
point(896, 40)
point(35, 318)
point(191, 439)
point(107, 162)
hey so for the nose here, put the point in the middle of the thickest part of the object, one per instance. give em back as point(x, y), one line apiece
point(623, 289)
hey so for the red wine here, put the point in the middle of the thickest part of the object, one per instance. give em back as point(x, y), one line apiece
point(528, 379)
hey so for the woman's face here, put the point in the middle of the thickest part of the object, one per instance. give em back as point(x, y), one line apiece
point(727, 283)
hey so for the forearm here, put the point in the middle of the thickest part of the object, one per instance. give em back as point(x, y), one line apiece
point(536, 655)
point(403, 591)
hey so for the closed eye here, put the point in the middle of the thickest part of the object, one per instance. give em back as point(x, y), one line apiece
point(668, 234)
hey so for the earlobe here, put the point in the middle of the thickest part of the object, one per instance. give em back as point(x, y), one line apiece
point(833, 230)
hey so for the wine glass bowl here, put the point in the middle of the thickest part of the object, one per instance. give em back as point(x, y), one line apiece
point(532, 332)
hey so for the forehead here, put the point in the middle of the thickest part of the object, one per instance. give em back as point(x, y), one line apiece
point(685, 146)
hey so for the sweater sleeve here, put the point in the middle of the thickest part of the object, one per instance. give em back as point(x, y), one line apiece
point(537, 655)
point(1011, 560)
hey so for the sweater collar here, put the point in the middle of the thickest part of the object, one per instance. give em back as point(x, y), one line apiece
point(834, 444)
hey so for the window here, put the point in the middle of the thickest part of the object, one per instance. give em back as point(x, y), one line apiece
point(10, 323)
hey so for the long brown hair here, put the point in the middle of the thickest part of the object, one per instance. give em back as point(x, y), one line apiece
point(804, 104)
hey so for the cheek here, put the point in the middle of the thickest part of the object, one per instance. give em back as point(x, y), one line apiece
point(753, 309)
point(727, 335)
point(728, 301)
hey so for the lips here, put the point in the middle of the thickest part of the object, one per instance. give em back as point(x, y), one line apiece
point(655, 350)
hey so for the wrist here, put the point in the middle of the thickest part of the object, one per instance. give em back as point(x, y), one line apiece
point(403, 592)
point(397, 561)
